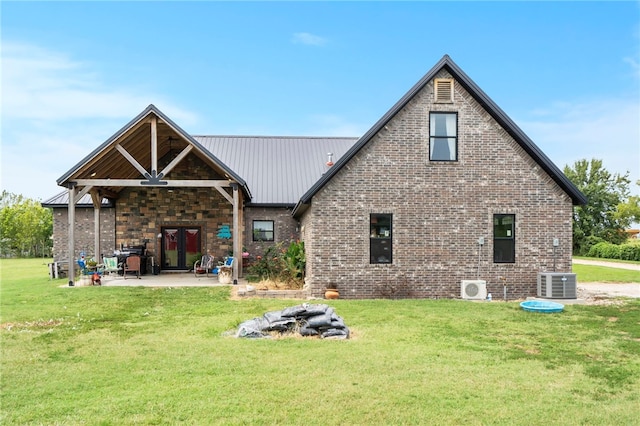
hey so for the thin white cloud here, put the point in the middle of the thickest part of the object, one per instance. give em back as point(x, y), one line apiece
point(635, 66)
point(607, 129)
point(44, 85)
point(308, 39)
point(55, 111)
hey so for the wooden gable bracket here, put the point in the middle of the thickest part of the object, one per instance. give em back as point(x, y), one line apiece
point(153, 177)
point(173, 163)
point(84, 191)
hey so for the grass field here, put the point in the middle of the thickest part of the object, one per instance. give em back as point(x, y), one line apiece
point(138, 356)
point(601, 274)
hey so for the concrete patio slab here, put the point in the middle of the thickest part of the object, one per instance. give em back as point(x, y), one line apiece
point(161, 280)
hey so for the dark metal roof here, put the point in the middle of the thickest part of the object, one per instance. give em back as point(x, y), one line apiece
point(62, 200)
point(491, 107)
point(277, 169)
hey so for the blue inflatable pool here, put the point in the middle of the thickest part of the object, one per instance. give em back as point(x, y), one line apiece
point(542, 306)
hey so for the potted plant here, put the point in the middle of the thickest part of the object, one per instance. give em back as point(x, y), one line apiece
point(331, 291)
point(224, 274)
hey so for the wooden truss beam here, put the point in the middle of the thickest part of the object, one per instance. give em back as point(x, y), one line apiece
point(166, 183)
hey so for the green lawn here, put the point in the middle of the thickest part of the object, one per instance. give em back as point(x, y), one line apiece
point(125, 356)
point(592, 273)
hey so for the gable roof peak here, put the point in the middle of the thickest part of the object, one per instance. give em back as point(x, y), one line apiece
point(487, 103)
point(152, 109)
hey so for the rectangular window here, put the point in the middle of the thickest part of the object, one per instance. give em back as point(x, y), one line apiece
point(380, 238)
point(443, 136)
point(504, 238)
point(263, 230)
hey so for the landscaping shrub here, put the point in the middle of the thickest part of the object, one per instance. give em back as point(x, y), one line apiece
point(587, 244)
point(627, 251)
point(280, 264)
point(630, 252)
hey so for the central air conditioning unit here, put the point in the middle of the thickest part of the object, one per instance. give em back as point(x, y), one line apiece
point(557, 285)
point(473, 289)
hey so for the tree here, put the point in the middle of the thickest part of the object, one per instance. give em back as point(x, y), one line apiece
point(630, 209)
point(600, 219)
point(25, 226)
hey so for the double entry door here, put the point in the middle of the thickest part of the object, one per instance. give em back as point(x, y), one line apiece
point(180, 244)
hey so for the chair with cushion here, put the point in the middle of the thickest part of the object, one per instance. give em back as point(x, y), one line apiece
point(204, 265)
point(228, 263)
point(111, 265)
point(132, 264)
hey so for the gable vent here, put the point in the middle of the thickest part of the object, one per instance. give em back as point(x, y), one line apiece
point(444, 89)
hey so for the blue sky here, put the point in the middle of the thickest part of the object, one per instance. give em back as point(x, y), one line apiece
point(73, 73)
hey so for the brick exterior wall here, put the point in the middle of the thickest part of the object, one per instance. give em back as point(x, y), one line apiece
point(84, 232)
point(286, 228)
point(439, 209)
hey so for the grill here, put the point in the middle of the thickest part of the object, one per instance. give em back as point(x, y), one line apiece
point(141, 251)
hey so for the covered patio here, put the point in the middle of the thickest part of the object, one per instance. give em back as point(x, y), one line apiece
point(173, 199)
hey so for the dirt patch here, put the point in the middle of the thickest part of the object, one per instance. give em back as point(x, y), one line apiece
point(266, 290)
point(274, 285)
point(30, 324)
point(601, 294)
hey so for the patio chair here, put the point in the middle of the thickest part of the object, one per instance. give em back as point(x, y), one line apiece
point(132, 264)
point(111, 265)
point(227, 263)
point(82, 264)
point(204, 265)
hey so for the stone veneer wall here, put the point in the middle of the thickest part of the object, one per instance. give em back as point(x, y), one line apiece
point(286, 228)
point(84, 232)
point(142, 212)
point(439, 209)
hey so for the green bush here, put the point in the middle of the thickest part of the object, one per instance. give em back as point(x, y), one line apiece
point(280, 264)
point(587, 244)
point(296, 260)
point(268, 266)
point(611, 251)
point(627, 251)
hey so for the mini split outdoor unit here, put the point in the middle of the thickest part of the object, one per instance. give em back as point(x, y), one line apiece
point(557, 285)
point(473, 289)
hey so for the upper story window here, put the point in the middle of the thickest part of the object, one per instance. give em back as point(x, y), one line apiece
point(443, 136)
point(504, 238)
point(263, 230)
point(380, 238)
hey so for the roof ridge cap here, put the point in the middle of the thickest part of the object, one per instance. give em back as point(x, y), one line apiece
point(276, 137)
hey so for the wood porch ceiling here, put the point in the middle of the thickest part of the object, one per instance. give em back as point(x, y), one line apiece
point(111, 164)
